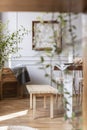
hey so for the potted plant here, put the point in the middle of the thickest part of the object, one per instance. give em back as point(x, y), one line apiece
point(9, 42)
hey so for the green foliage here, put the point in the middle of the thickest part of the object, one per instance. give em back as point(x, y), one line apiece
point(65, 117)
point(9, 41)
point(66, 29)
point(73, 116)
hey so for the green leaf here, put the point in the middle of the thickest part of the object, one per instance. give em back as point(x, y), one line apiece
point(48, 65)
point(46, 75)
point(53, 80)
point(67, 93)
point(73, 26)
point(42, 59)
point(65, 117)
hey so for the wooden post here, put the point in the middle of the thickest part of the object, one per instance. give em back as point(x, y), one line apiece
point(84, 107)
point(84, 102)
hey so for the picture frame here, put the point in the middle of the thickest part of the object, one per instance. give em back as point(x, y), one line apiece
point(46, 34)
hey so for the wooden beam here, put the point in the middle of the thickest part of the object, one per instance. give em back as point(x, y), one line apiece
point(85, 6)
point(40, 5)
point(84, 107)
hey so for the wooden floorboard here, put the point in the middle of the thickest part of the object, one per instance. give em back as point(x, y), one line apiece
point(17, 112)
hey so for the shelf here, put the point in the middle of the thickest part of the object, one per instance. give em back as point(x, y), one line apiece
point(71, 67)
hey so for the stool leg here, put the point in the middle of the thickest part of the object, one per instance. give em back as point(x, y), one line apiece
point(44, 101)
point(51, 106)
point(34, 106)
point(31, 105)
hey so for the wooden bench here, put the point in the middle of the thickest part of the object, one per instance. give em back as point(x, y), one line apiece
point(41, 90)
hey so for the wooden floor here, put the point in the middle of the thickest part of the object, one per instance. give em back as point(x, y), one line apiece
point(17, 112)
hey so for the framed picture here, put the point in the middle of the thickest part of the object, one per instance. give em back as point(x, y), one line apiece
point(45, 34)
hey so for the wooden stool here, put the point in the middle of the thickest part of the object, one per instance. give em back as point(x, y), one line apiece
point(41, 90)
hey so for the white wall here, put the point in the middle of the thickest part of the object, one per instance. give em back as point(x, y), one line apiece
point(30, 57)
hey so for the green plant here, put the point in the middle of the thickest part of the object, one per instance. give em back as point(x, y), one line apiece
point(9, 41)
point(65, 21)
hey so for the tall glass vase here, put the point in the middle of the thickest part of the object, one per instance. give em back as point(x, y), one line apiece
point(67, 87)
